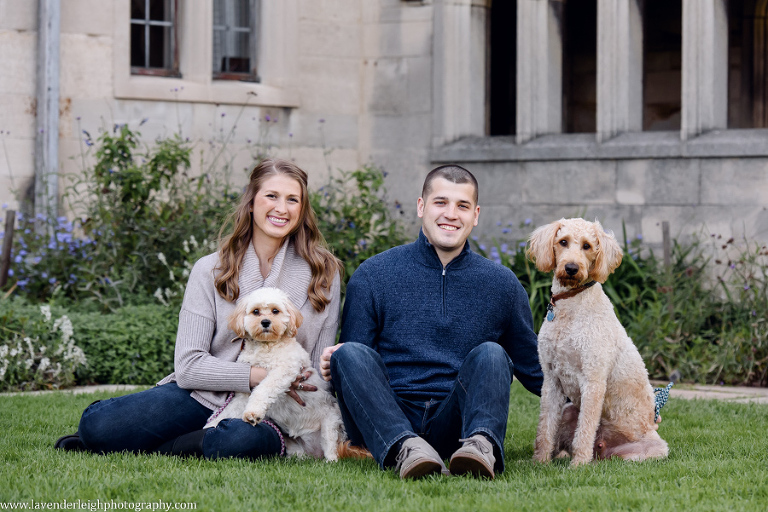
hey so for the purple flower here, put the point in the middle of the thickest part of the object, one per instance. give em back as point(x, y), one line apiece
point(267, 118)
point(528, 221)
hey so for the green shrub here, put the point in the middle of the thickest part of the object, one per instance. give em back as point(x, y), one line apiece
point(38, 349)
point(133, 345)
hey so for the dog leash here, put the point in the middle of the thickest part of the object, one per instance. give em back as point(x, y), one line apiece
point(565, 295)
point(662, 395)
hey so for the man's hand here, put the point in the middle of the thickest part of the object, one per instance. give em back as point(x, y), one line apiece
point(258, 374)
point(325, 361)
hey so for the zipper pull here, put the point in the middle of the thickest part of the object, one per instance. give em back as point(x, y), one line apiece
point(443, 270)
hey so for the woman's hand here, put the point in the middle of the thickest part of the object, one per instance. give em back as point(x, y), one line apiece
point(325, 361)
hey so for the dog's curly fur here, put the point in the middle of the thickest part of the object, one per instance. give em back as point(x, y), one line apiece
point(267, 321)
point(587, 357)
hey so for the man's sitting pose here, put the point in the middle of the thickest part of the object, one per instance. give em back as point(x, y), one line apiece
point(431, 336)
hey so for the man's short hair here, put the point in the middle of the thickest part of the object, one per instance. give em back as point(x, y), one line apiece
point(451, 172)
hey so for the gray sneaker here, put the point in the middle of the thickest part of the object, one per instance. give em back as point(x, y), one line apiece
point(417, 459)
point(474, 457)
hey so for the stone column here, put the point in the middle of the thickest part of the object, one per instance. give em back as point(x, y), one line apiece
point(619, 68)
point(539, 68)
point(459, 72)
point(705, 67)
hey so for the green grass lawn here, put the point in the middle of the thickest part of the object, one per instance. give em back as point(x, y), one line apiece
point(718, 461)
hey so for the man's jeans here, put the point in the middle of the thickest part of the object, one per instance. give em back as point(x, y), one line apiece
point(375, 417)
point(142, 421)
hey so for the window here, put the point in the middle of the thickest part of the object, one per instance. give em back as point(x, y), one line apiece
point(662, 68)
point(748, 62)
point(503, 61)
point(153, 38)
point(579, 36)
point(234, 39)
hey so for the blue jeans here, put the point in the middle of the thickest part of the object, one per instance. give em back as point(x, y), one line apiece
point(377, 418)
point(143, 421)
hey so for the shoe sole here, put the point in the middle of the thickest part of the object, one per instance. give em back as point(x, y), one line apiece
point(421, 469)
point(466, 465)
point(69, 443)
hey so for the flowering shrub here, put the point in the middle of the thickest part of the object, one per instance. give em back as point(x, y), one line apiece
point(131, 204)
point(37, 352)
point(354, 216)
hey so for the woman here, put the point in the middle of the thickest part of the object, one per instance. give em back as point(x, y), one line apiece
point(275, 242)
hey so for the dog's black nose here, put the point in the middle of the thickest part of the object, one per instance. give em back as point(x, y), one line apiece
point(571, 269)
point(266, 323)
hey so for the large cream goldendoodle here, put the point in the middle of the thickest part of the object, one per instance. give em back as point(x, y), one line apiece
point(266, 320)
point(586, 355)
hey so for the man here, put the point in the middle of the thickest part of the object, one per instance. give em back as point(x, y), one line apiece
point(431, 335)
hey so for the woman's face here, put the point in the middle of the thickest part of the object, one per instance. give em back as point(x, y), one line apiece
point(276, 207)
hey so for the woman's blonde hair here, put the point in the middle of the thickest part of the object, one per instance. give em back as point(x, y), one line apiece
point(306, 238)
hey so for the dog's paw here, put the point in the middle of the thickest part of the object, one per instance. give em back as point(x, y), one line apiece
point(576, 462)
point(541, 457)
point(253, 417)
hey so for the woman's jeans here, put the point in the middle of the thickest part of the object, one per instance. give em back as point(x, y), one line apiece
point(143, 421)
point(375, 417)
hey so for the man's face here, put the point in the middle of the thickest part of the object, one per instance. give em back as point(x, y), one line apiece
point(448, 215)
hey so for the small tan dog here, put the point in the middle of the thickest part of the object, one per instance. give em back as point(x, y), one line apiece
point(586, 355)
point(267, 321)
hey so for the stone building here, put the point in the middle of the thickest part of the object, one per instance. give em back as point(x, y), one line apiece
point(633, 111)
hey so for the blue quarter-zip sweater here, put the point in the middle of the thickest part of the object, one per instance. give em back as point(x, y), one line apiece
point(424, 319)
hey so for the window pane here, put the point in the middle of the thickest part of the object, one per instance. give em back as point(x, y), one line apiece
point(138, 9)
point(160, 10)
point(160, 55)
point(137, 46)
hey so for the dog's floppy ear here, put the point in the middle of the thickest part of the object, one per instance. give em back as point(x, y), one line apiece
point(541, 246)
point(295, 319)
point(236, 319)
point(609, 255)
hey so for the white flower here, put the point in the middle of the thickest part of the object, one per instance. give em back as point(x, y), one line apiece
point(66, 329)
point(170, 274)
point(28, 363)
point(159, 296)
point(162, 259)
point(14, 352)
point(3, 351)
point(185, 246)
point(185, 273)
point(44, 364)
point(45, 309)
point(193, 242)
point(42, 349)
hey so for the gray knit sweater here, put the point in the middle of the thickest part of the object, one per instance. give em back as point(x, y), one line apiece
point(205, 353)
